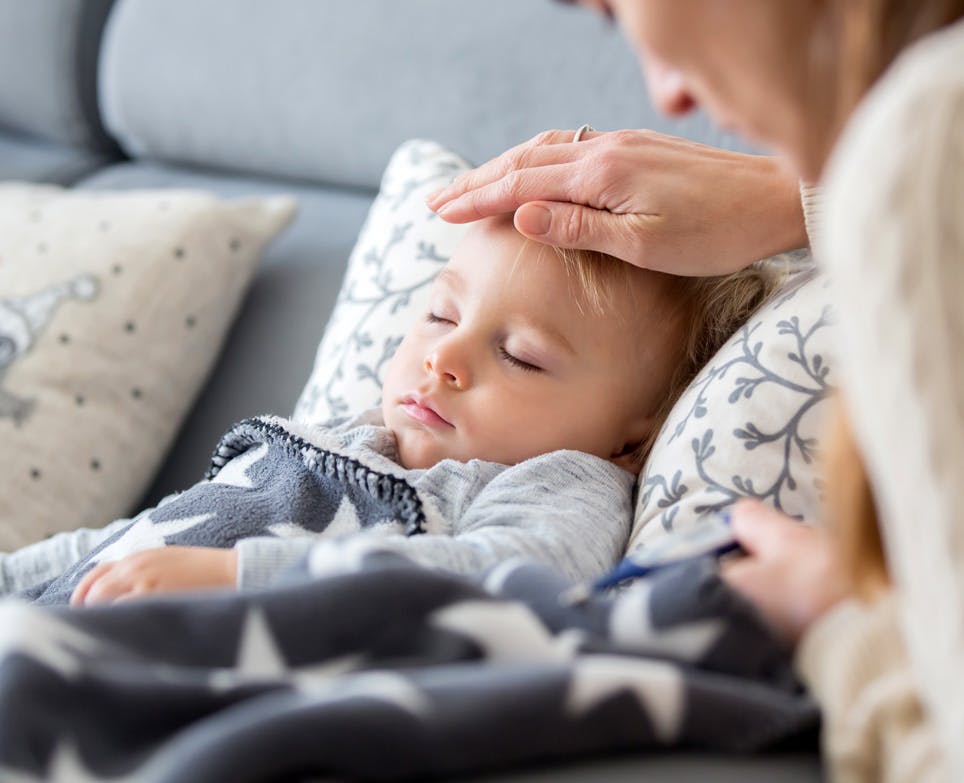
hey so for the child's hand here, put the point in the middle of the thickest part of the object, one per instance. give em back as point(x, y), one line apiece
point(791, 572)
point(157, 571)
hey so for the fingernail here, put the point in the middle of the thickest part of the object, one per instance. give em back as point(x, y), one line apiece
point(533, 220)
point(433, 195)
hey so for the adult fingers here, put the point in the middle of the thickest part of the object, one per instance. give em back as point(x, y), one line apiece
point(565, 224)
point(79, 595)
point(743, 575)
point(555, 182)
point(760, 529)
point(545, 149)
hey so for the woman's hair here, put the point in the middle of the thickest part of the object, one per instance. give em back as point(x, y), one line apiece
point(708, 311)
point(850, 509)
point(863, 38)
point(868, 36)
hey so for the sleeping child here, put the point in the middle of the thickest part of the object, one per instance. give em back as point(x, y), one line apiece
point(515, 416)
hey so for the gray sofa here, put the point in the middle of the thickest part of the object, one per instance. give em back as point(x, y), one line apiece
point(310, 97)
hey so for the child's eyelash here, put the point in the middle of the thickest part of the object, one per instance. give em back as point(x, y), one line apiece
point(517, 362)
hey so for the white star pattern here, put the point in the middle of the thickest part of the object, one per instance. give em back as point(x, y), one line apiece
point(260, 659)
point(234, 473)
point(382, 686)
point(657, 686)
point(308, 678)
point(67, 765)
point(8, 775)
point(145, 534)
point(630, 628)
point(505, 631)
point(344, 522)
point(25, 630)
point(258, 654)
point(291, 530)
point(343, 555)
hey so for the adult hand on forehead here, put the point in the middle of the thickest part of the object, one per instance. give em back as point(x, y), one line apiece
point(654, 200)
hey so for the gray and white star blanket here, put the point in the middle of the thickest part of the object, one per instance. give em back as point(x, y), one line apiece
point(389, 672)
point(263, 477)
point(278, 490)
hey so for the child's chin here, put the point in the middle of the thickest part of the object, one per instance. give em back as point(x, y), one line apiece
point(415, 455)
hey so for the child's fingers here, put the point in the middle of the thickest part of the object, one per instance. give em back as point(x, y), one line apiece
point(133, 594)
point(109, 587)
point(79, 596)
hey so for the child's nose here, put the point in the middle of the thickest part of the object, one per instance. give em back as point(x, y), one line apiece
point(450, 373)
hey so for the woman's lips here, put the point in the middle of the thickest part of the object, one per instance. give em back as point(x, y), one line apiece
point(421, 411)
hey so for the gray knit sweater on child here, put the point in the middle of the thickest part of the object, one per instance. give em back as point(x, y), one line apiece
point(279, 491)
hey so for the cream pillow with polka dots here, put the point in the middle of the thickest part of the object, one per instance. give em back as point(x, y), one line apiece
point(113, 307)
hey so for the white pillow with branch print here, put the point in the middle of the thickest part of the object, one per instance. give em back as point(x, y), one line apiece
point(749, 424)
point(400, 249)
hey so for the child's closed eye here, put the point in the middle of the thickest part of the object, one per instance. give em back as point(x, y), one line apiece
point(432, 318)
point(515, 361)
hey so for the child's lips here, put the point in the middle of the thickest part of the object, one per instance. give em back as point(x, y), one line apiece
point(424, 411)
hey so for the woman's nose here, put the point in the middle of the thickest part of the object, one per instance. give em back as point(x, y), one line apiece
point(451, 373)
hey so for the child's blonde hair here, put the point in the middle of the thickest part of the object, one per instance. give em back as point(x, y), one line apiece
point(708, 310)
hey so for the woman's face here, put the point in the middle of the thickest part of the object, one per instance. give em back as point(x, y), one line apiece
point(746, 62)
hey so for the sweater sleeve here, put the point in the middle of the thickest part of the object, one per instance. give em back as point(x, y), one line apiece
point(811, 198)
point(35, 564)
point(568, 510)
point(893, 241)
point(874, 728)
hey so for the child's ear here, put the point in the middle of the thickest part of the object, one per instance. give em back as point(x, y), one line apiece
point(625, 455)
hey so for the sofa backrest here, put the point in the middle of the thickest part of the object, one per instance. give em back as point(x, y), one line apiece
point(48, 55)
point(324, 90)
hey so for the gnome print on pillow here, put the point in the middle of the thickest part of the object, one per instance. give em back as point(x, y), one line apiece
point(22, 319)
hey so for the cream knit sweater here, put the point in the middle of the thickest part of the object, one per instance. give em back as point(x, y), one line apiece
point(890, 677)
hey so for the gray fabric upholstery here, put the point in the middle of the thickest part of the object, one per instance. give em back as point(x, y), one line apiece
point(268, 355)
point(326, 89)
point(32, 160)
point(52, 51)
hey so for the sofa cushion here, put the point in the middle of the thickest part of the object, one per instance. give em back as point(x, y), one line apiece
point(32, 160)
point(327, 90)
point(48, 58)
point(270, 348)
point(112, 309)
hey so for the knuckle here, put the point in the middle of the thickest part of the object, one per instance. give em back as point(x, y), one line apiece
point(543, 138)
point(608, 162)
point(512, 185)
point(573, 227)
point(624, 138)
point(523, 160)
